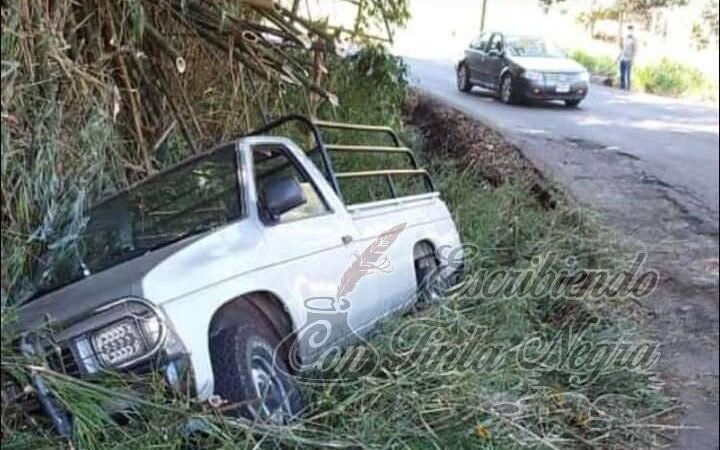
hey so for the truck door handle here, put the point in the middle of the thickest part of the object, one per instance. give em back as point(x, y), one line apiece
point(346, 239)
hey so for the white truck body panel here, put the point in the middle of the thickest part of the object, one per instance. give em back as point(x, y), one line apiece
point(294, 261)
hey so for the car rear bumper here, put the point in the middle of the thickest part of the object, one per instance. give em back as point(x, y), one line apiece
point(533, 91)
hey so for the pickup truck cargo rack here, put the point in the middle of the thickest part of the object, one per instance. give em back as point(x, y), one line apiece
point(323, 149)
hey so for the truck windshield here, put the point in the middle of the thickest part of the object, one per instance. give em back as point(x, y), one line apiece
point(190, 198)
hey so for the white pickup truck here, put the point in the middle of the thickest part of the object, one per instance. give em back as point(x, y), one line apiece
point(203, 270)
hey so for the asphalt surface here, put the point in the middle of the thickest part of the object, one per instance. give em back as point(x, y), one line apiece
point(678, 141)
point(649, 167)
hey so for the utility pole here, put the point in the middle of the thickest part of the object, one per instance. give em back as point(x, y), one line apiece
point(482, 16)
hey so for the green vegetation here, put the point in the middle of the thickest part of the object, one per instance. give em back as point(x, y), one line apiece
point(596, 65)
point(416, 407)
point(665, 77)
point(622, 11)
point(93, 102)
point(402, 406)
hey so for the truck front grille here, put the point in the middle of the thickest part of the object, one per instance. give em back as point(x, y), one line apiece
point(61, 359)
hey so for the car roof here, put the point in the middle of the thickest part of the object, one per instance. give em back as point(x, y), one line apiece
point(518, 37)
point(512, 36)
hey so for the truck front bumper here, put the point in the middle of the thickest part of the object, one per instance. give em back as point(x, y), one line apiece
point(176, 371)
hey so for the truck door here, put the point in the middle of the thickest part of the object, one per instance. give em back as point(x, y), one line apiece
point(313, 241)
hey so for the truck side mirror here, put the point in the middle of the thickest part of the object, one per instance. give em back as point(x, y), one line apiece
point(280, 194)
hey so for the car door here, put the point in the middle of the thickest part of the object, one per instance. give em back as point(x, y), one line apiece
point(494, 62)
point(475, 56)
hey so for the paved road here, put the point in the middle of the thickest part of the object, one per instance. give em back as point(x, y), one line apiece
point(678, 141)
point(649, 165)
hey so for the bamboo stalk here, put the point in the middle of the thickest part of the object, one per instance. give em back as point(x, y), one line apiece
point(135, 104)
point(277, 20)
point(176, 112)
point(261, 4)
point(188, 107)
point(242, 58)
point(282, 12)
point(180, 63)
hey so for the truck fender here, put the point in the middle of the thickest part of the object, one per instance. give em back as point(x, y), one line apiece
point(232, 312)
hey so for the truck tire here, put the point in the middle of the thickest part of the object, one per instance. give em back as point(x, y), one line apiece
point(250, 375)
point(430, 287)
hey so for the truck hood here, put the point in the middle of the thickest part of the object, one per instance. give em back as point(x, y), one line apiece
point(548, 64)
point(95, 290)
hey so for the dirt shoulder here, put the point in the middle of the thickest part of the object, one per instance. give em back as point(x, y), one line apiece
point(682, 244)
point(649, 215)
point(483, 150)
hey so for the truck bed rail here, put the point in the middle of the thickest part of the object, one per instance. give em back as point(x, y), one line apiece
point(316, 126)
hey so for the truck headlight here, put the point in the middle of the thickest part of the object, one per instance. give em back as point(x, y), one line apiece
point(134, 330)
point(584, 76)
point(534, 76)
point(121, 342)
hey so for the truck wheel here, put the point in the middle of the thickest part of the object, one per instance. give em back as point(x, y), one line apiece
point(250, 375)
point(431, 286)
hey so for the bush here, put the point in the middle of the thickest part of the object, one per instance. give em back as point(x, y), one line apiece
point(665, 77)
point(596, 65)
point(668, 77)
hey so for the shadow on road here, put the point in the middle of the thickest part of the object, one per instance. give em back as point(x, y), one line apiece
point(538, 104)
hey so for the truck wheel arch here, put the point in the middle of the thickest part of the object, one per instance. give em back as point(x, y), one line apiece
point(231, 313)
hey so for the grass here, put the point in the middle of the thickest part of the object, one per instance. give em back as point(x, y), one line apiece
point(404, 405)
point(415, 408)
point(667, 77)
point(664, 77)
point(596, 64)
point(407, 406)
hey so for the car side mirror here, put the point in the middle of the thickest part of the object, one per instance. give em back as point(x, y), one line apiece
point(280, 194)
point(496, 53)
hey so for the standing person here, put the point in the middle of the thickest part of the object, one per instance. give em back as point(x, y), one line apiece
point(628, 51)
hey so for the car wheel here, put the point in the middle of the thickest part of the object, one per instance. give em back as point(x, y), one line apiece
point(463, 79)
point(431, 285)
point(507, 92)
point(572, 103)
point(251, 376)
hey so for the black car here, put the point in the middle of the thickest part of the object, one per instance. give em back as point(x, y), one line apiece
point(522, 67)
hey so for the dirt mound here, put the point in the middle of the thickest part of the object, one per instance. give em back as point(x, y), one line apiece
point(449, 132)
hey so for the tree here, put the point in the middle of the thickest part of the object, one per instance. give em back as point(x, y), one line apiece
point(641, 10)
point(546, 4)
point(705, 29)
point(710, 19)
point(699, 36)
point(590, 18)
